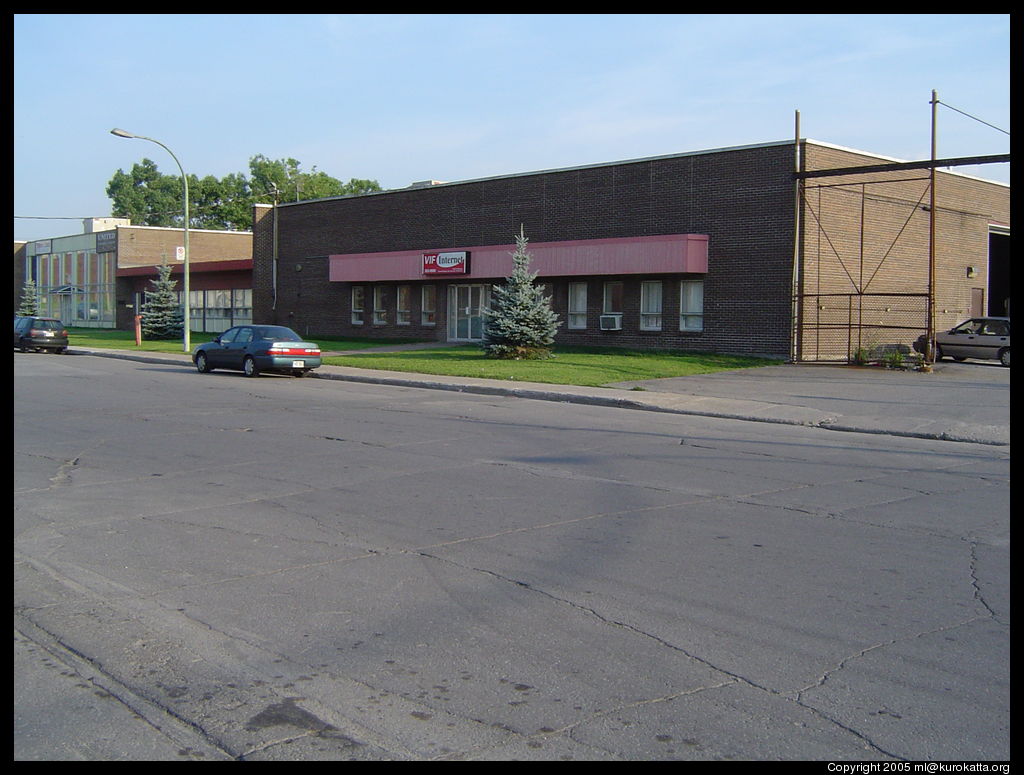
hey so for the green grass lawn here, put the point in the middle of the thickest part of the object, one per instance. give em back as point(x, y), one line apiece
point(125, 340)
point(570, 366)
point(585, 366)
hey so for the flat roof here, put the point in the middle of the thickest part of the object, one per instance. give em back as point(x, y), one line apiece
point(705, 152)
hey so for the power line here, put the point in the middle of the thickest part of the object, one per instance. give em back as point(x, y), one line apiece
point(962, 113)
point(61, 217)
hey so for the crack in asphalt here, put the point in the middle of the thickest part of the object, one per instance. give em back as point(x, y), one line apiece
point(733, 678)
point(976, 585)
point(61, 477)
point(64, 477)
point(93, 671)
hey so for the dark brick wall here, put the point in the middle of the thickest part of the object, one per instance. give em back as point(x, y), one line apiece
point(741, 198)
point(262, 269)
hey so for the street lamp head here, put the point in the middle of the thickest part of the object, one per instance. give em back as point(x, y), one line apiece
point(121, 133)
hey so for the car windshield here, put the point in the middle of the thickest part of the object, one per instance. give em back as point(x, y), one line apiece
point(278, 333)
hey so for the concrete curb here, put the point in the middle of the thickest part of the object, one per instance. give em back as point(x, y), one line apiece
point(647, 400)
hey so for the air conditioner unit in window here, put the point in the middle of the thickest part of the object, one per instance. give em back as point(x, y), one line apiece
point(611, 322)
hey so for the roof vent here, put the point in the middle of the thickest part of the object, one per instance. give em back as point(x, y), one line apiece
point(425, 183)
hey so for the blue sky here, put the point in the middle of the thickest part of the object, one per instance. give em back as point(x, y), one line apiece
point(403, 98)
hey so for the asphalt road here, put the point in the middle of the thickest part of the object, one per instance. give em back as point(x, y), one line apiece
point(211, 567)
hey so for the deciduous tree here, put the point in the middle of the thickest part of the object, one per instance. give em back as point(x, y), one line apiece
point(150, 198)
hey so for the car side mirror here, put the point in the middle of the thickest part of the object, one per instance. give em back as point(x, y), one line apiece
point(216, 340)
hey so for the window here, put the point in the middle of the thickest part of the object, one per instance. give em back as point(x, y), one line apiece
point(241, 306)
point(215, 309)
point(428, 305)
point(358, 300)
point(404, 311)
point(613, 298)
point(650, 305)
point(691, 305)
point(577, 305)
point(380, 314)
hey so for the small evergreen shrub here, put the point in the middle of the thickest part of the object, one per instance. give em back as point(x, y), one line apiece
point(29, 299)
point(519, 324)
point(161, 316)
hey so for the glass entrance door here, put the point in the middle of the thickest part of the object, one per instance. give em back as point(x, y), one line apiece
point(466, 304)
point(67, 309)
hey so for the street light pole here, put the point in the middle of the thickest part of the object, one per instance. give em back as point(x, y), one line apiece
point(184, 184)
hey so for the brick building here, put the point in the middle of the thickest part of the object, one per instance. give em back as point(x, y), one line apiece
point(99, 278)
point(720, 250)
point(19, 271)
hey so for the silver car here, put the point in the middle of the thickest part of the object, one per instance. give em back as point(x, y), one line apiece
point(985, 338)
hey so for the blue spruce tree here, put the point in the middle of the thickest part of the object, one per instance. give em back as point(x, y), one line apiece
point(161, 315)
point(29, 299)
point(519, 324)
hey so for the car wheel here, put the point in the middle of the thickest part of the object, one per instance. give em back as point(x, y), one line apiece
point(59, 351)
point(202, 365)
point(938, 353)
point(22, 346)
point(1004, 357)
point(251, 369)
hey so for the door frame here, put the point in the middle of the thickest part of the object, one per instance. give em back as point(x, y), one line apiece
point(455, 315)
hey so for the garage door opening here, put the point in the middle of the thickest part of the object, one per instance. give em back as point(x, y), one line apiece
point(999, 272)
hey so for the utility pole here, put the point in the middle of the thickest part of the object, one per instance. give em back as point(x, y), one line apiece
point(930, 359)
point(797, 310)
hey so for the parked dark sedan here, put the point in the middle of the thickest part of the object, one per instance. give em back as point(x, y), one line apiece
point(985, 338)
point(254, 349)
point(35, 333)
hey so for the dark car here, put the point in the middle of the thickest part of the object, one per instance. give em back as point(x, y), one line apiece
point(985, 338)
point(254, 349)
point(42, 334)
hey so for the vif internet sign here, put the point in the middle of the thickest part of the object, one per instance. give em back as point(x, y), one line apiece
point(446, 263)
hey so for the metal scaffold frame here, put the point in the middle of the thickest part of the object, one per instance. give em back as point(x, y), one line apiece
point(850, 321)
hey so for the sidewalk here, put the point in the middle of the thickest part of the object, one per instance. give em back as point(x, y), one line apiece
point(967, 402)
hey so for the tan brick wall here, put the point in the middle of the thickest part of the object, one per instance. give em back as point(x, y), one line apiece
point(869, 233)
point(142, 246)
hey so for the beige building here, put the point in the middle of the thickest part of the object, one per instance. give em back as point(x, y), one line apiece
point(99, 278)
